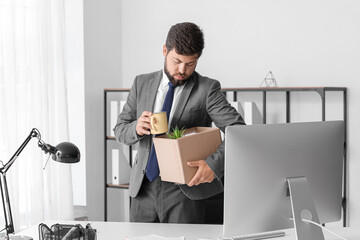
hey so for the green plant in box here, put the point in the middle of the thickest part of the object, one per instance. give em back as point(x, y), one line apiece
point(176, 133)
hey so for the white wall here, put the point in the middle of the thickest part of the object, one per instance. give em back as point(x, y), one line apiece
point(103, 64)
point(303, 42)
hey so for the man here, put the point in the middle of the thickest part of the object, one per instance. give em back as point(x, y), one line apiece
point(195, 101)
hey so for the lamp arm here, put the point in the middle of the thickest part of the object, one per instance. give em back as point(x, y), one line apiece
point(9, 225)
point(34, 133)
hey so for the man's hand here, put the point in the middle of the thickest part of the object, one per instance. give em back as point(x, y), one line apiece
point(204, 174)
point(143, 124)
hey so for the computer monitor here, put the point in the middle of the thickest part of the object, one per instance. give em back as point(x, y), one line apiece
point(259, 159)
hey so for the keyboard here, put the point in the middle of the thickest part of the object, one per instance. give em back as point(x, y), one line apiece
point(256, 236)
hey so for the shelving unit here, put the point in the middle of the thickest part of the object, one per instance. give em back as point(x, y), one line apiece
point(235, 91)
point(106, 143)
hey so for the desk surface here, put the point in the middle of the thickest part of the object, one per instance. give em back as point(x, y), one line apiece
point(120, 230)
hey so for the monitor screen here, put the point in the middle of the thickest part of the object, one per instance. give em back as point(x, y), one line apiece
point(260, 158)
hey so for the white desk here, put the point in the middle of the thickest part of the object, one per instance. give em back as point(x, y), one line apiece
point(120, 230)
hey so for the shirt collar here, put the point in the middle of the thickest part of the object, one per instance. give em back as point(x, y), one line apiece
point(165, 80)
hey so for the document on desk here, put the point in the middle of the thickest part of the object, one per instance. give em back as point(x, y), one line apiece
point(154, 237)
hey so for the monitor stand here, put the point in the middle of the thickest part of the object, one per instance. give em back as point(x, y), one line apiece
point(303, 207)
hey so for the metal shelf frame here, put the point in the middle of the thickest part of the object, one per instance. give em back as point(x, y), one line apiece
point(264, 90)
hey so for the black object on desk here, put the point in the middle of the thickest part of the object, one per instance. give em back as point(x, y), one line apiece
point(66, 232)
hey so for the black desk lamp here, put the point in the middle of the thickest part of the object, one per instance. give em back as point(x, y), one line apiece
point(65, 152)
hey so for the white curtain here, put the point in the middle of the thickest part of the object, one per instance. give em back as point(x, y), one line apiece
point(33, 95)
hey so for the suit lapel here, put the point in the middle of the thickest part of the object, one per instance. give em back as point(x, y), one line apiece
point(183, 101)
point(152, 91)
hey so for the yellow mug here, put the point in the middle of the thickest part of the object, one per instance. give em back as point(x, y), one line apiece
point(158, 122)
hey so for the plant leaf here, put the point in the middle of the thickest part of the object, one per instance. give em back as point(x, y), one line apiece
point(177, 133)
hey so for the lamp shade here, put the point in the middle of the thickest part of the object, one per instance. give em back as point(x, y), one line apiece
point(66, 153)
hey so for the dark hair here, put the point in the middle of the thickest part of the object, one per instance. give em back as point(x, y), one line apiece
point(187, 39)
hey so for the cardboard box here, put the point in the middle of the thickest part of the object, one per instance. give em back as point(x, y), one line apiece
point(173, 154)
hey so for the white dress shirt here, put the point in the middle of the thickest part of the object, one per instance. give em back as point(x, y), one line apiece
point(161, 94)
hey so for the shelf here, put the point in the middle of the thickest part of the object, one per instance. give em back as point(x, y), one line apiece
point(122, 186)
point(285, 89)
point(254, 89)
point(117, 89)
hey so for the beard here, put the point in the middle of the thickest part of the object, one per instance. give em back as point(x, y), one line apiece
point(172, 79)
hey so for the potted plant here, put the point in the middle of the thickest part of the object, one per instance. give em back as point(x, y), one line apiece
point(176, 133)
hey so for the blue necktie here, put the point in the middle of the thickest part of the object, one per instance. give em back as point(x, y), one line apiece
point(152, 167)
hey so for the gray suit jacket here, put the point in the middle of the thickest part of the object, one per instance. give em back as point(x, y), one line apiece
point(201, 103)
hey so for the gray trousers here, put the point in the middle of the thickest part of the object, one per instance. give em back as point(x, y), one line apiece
point(164, 202)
